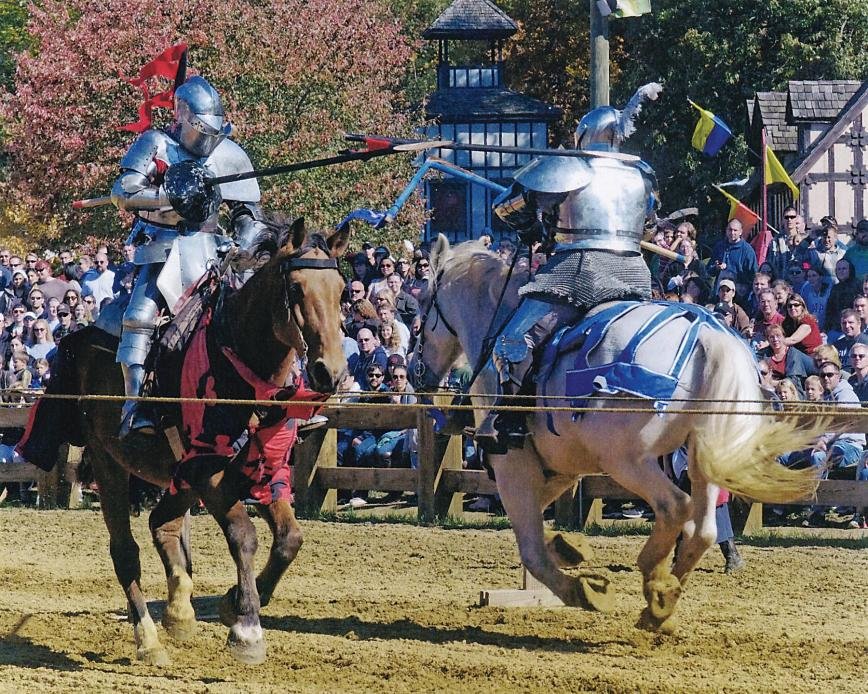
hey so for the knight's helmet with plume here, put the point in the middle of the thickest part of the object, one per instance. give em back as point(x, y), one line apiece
point(605, 128)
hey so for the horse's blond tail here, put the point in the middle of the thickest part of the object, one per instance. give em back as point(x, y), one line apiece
point(737, 450)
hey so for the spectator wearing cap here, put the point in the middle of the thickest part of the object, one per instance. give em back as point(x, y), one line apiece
point(726, 296)
point(828, 249)
point(857, 253)
point(66, 324)
point(734, 258)
point(28, 320)
point(51, 286)
point(99, 281)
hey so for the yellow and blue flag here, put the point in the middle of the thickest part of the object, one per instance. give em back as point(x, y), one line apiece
point(776, 173)
point(710, 133)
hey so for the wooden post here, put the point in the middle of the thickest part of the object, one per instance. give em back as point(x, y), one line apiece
point(436, 453)
point(568, 508)
point(319, 449)
point(599, 57)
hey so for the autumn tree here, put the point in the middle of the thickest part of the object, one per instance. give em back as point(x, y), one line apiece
point(294, 74)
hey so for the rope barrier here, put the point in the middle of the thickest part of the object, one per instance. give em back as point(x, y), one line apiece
point(339, 402)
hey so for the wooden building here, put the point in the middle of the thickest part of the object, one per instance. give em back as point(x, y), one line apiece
point(472, 105)
point(817, 129)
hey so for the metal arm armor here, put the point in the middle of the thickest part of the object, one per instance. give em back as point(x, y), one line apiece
point(132, 191)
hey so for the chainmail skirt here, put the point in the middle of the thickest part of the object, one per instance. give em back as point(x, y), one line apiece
point(586, 278)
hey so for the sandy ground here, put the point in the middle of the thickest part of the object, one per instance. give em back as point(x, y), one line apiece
point(393, 608)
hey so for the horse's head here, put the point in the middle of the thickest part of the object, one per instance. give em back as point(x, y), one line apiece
point(464, 288)
point(307, 317)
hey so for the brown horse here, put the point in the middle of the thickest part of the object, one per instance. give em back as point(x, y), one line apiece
point(289, 308)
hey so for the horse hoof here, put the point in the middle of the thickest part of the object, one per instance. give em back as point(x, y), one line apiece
point(247, 650)
point(226, 608)
point(180, 629)
point(662, 595)
point(650, 623)
point(595, 593)
point(153, 656)
point(568, 555)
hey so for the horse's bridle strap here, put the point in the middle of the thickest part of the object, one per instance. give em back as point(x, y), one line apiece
point(291, 264)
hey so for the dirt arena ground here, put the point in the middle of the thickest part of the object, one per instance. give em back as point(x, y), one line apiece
point(393, 608)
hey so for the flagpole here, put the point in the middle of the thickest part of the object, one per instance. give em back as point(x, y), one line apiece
point(765, 187)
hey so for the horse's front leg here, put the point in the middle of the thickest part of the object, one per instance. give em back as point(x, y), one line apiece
point(170, 531)
point(220, 492)
point(114, 484)
point(520, 482)
point(286, 542)
point(565, 553)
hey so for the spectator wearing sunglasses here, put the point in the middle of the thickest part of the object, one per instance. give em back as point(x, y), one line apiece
point(417, 286)
point(800, 327)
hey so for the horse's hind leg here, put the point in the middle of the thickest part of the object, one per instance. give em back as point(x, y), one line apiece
point(671, 510)
point(170, 530)
point(286, 542)
point(520, 482)
point(246, 641)
point(700, 531)
point(114, 486)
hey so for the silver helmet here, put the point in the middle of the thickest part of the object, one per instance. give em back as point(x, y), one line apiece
point(199, 117)
point(605, 128)
point(599, 130)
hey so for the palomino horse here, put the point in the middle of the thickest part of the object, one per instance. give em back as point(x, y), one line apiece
point(289, 308)
point(730, 449)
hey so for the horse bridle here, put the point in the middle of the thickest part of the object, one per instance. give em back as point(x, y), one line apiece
point(421, 369)
point(290, 296)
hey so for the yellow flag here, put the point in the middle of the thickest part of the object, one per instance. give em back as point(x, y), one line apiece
point(776, 173)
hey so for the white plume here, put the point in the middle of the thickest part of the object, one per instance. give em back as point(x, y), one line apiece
point(648, 91)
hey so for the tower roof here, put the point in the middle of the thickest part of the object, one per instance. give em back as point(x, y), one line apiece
point(471, 20)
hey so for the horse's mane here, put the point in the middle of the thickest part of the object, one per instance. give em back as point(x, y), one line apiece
point(469, 258)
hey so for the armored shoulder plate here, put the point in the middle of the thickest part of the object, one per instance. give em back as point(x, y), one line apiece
point(555, 174)
point(141, 154)
point(227, 159)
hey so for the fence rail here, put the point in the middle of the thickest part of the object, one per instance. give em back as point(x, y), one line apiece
point(440, 483)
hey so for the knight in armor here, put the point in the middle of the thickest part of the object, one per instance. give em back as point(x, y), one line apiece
point(589, 214)
point(198, 137)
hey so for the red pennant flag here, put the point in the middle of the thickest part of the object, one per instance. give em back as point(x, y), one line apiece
point(167, 65)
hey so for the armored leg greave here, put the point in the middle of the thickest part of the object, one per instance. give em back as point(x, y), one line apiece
point(533, 322)
point(138, 329)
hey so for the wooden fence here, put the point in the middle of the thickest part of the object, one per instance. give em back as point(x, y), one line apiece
point(439, 483)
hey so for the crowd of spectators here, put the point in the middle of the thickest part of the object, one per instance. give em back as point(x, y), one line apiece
point(45, 296)
point(803, 311)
